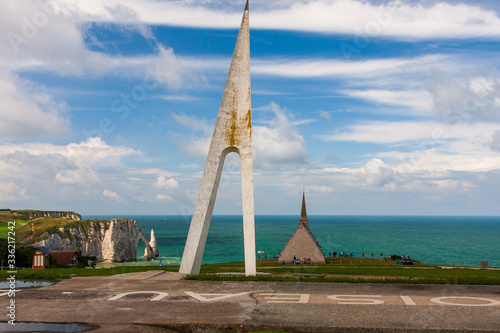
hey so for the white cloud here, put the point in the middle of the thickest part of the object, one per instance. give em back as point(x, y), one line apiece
point(466, 99)
point(151, 171)
point(161, 181)
point(10, 191)
point(93, 152)
point(56, 44)
point(277, 145)
point(280, 145)
point(393, 18)
point(345, 68)
point(163, 197)
point(319, 189)
point(413, 99)
point(51, 173)
point(429, 147)
point(384, 132)
point(48, 37)
point(377, 173)
point(198, 141)
point(110, 194)
point(418, 133)
point(495, 141)
point(25, 115)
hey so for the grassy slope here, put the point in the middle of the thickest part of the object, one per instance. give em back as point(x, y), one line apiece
point(6, 216)
point(41, 225)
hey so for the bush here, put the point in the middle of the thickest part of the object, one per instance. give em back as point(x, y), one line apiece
point(85, 261)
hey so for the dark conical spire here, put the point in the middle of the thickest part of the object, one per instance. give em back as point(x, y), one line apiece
point(246, 7)
point(303, 214)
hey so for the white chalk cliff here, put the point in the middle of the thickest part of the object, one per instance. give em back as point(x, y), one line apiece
point(114, 240)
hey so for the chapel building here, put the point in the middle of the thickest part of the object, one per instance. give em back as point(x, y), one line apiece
point(302, 244)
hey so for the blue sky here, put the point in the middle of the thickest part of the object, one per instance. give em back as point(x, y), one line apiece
point(371, 107)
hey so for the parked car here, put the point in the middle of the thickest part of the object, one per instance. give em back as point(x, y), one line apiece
point(407, 262)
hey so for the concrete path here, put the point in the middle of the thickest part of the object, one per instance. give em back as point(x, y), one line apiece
point(153, 301)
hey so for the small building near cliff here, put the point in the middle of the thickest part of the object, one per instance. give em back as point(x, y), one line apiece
point(302, 244)
point(67, 258)
point(40, 258)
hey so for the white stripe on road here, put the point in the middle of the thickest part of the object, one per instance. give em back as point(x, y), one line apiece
point(408, 300)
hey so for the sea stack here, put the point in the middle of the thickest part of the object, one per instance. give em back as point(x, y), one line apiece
point(153, 244)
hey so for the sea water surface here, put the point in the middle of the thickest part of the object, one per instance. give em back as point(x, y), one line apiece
point(458, 240)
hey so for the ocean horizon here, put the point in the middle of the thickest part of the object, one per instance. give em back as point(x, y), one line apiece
point(441, 240)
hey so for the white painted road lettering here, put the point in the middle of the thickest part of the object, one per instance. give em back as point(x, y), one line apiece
point(160, 296)
point(408, 300)
point(285, 298)
point(335, 299)
point(356, 299)
point(469, 301)
point(211, 296)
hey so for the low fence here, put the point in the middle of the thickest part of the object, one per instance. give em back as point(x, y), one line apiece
point(437, 262)
point(453, 263)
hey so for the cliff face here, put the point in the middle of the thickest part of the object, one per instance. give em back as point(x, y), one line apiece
point(120, 241)
point(72, 215)
point(33, 214)
point(114, 240)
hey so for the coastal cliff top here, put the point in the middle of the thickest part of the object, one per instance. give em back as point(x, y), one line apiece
point(32, 224)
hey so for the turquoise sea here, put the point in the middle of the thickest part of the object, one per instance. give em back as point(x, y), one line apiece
point(430, 239)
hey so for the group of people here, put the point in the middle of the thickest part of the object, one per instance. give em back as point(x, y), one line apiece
point(304, 260)
point(341, 254)
point(350, 255)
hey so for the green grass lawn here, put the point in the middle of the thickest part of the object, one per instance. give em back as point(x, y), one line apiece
point(357, 270)
point(66, 273)
point(4, 229)
point(379, 272)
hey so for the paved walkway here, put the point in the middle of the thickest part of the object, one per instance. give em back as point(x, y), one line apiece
point(152, 301)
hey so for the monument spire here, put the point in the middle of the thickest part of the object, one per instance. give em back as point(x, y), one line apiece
point(232, 133)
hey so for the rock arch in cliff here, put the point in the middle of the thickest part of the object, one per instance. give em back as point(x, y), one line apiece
point(150, 252)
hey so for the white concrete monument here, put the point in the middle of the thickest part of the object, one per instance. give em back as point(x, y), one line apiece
point(233, 133)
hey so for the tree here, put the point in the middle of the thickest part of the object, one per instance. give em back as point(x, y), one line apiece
point(23, 253)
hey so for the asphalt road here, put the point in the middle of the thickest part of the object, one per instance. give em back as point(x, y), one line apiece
point(153, 301)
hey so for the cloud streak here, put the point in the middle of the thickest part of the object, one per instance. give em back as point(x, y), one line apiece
point(393, 19)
